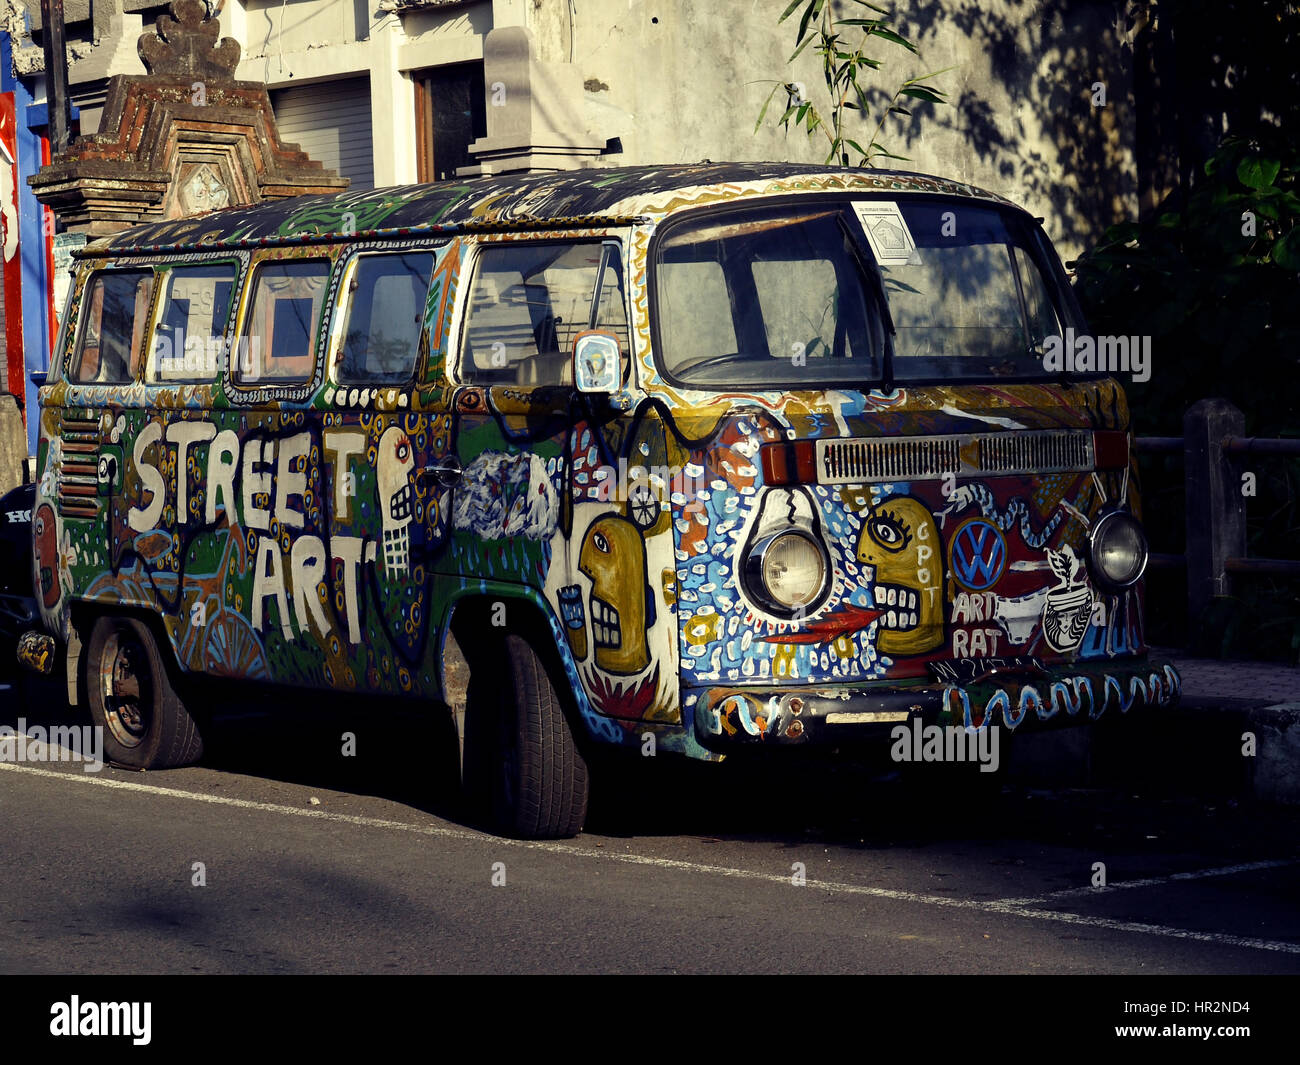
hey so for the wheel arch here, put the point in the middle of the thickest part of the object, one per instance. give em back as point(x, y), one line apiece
point(528, 615)
point(82, 614)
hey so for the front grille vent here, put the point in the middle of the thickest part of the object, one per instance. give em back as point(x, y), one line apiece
point(881, 459)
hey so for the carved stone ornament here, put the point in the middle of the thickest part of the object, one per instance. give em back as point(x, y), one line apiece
point(183, 139)
point(188, 44)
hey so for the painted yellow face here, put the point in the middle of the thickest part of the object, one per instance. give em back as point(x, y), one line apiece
point(899, 539)
point(613, 556)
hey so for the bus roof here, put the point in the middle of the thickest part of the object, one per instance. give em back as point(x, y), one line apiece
point(599, 197)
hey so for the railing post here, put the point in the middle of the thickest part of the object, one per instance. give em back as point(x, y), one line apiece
point(1216, 512)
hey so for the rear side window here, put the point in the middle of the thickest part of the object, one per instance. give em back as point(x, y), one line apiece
point(113, 328)
point(385, 317)
point(530, 301)
point(189, 337)
point(279, 340)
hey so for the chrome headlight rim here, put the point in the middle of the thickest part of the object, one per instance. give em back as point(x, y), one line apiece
point(756, 586)
point(1105, 520)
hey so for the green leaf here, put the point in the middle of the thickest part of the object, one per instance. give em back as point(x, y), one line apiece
point(876, 147)
point(807, 17)
point(790, 10)
point(1257, 173)
point(918, 92)
point(927, 77)
point(1286, 252)
point(896, 110)
point(804, 44)
point(763, 113)
point(890, 35)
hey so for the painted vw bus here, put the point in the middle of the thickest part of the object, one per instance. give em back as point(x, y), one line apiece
point(697, 458)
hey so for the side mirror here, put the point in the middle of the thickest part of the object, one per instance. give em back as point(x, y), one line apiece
point(597, 362)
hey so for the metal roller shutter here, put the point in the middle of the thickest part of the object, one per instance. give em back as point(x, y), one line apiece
point(330, 121)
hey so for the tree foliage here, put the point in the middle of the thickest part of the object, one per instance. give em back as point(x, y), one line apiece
point(842, 45)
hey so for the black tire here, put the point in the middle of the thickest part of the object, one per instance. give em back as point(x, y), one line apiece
point(522, 763)
point(131, 697)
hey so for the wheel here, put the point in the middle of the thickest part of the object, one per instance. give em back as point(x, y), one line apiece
point(522, 764)
point(130, 695)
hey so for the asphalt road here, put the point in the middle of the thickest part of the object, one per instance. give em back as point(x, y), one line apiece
point(316, 863)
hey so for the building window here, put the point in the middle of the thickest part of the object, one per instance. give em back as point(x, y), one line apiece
point(449, 116)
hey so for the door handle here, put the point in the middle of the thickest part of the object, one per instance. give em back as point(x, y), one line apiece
point(446, 471)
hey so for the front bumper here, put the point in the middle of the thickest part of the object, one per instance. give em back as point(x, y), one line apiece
point(727, 717)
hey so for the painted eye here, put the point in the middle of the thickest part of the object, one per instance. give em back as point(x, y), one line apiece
point(602, 545)
point(403, 449)
point(888, 532)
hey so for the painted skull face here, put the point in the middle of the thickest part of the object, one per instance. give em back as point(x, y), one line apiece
point(900, 541)
point(396, 499)
point(46, 538)
point(613, 556)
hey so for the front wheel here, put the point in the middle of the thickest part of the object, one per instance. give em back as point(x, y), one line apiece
point(130, 695)
point(521, 759)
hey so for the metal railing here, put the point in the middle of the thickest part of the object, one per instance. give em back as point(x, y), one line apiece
point(1213, 441)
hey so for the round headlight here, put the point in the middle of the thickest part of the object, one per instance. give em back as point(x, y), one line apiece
point(787, 572)
point(1117, 550)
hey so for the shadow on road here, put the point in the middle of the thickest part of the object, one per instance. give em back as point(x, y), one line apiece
point(1130, 789)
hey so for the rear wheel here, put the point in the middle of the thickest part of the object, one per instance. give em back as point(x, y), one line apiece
point(522, 763)
point(131, 697)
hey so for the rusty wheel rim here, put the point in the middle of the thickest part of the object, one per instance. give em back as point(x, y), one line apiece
point(125, 708)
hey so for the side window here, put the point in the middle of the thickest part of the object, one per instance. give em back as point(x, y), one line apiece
point(114, 322)
point(191, 329)
point(384, 319)
point(278, 344)
point(528, 303)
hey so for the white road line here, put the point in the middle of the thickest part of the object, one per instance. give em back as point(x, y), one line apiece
point(1154, 881)
point(1002, 907)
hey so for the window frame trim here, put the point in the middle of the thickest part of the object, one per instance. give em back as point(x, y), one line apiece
point(232, 322)
point(83, 320)
point(248, 301)
point(342, 308)
point(469, 271)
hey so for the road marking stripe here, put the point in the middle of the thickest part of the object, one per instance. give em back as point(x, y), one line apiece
point(1003, 907)
point(1154, 881)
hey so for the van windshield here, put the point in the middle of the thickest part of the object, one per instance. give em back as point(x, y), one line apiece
point(780, 297)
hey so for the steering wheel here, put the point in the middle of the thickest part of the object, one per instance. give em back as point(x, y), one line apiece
point(713, 360)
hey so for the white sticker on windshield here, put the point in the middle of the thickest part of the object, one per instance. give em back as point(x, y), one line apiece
point(891, 241)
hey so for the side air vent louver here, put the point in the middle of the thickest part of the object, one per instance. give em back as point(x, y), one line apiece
point(78, 483)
